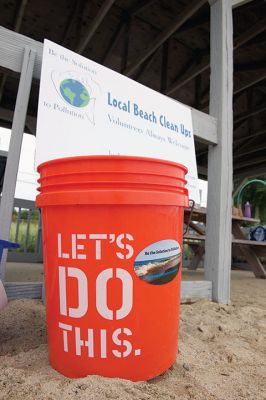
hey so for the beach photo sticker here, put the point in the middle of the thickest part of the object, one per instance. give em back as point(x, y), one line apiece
point(159, 262)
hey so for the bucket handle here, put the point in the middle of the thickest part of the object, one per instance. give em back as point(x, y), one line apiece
point(191, 207)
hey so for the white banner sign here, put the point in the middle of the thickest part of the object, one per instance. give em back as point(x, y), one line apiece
point(87, 109)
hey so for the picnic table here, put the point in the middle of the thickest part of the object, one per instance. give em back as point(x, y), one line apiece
point(251, 250)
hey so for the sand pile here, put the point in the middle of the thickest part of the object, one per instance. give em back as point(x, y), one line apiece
point(222, 354)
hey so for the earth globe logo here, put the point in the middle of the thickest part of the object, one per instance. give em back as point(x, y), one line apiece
point(74, 93)
point(78, 92)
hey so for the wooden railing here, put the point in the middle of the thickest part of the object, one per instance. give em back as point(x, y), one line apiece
point(26, 230)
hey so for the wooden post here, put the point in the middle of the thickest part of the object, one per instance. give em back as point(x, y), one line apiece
point(13, 157)
point(220, 168)
point(105, 7)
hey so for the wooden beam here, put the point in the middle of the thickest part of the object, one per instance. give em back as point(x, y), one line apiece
point(125, 47)
point(205, 64)
point(241, 87)
point(31, 124)
point(248, 114)
point(189, 66)
point(258, 40)
point(250, 33)
point(71, 18)
point(250, 66)
point(251, 82)
point(195, 290)
point(20, 15)
point(146, 65)
point(12, 163)
point(189, 75)
point(220, 168)
point(23, 203)
point(7, 115)
point(198, 97)
point(249, 172)
point(202, 170)
point(191, 9)
point(249, 162)
point(12, 47)
point(22, 290)
point(154, 26)
point(250, 125)
point(253, 135)
point(164, 66)
point(238, 3)
point(240, 125)
point(2, 84)
point(194, 23)
point(250, 150)
point(261, 87)
point(107, 4)
point(113, 41)
point(17, 26)
point(140, 6)
point(254, 244)
point(205, 93)
point(11, 51)
point(205, 129)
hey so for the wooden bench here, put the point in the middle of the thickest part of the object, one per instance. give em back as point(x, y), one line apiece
point(250, 249)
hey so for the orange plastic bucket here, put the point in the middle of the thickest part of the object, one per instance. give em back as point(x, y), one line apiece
point(112, 235)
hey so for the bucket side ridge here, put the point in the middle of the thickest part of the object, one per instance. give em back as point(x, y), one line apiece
point(84, 176)
point(111, 185)
point(116, 196)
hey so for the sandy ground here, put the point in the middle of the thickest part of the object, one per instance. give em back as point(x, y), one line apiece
point(222, 353)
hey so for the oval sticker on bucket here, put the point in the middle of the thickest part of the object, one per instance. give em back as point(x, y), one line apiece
point(159, 262)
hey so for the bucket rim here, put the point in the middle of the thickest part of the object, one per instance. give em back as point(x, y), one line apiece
point(110, 157)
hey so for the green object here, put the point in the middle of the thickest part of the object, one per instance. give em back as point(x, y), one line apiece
point(74, 93)
point(241, 191)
